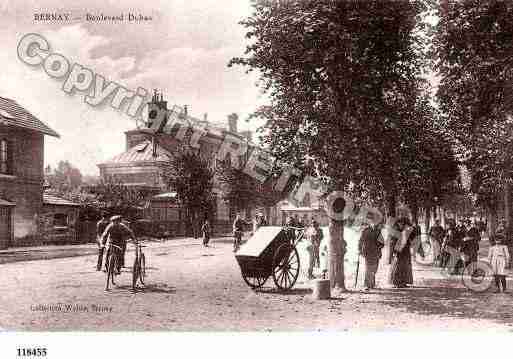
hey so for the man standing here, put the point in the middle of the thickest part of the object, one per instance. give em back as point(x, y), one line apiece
point(117, 233)
point(369, 247)
point(436, 236)
point(100, 228)
point(316, 242)
point(475, 237)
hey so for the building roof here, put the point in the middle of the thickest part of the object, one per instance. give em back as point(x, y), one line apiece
point(143, 152)
point(57, 201)
point(12, 114)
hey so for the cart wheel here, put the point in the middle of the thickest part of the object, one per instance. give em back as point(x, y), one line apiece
point(254, 282)
point(285, 266)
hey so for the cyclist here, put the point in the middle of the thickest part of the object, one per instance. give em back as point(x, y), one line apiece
point(116, 234)
point(238, 230)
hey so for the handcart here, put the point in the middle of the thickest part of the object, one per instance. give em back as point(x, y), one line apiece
point(271, 251)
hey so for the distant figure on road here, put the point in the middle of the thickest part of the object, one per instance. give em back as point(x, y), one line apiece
point(205, 230)
point(369, 247)
point(100, 228)
point(317, 243)
point(470, 246)
point(461, 236)
point(436, 237)
point(498, 256)
point(314, 237)
point(238, 231)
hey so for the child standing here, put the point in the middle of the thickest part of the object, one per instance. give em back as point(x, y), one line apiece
point(498, 256)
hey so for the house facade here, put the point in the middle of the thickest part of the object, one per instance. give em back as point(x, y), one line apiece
point(21, 173)
point(58, 221)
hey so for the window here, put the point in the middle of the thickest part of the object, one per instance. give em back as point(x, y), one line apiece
point(5, 166)
point(60, 220)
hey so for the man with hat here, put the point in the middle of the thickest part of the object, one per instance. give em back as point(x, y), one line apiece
point(369, 247)
point(117, 233)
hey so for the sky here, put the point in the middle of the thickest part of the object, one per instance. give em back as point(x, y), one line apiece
point(183, 51)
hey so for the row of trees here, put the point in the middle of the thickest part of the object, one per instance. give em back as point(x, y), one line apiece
point(473, 54)
point(347, 88)
point(348, 92)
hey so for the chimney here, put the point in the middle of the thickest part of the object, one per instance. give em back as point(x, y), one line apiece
point(205, 116)
point(185, 111)
point(232, 122)
point(158, 99)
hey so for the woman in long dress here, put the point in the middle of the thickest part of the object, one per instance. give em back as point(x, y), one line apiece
point(401, 273)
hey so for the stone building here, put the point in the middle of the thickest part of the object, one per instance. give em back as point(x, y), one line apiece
point(21, 173)
point(58, 221)
point(147, 155)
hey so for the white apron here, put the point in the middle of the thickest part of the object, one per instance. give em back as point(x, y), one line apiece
point(499, 258)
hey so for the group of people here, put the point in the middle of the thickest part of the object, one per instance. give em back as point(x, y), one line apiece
point(459, 242)
point(370, 248)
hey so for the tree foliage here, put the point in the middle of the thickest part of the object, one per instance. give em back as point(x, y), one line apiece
point(347, 89)
point(64, 178)
point(191, 177)
point(473, 50)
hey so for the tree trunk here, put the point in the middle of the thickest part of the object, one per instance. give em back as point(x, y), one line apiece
point(390, 203)
point(507, 207)
point(336, 253)
point(492, 221)
point(427, 223)
point(415, 214)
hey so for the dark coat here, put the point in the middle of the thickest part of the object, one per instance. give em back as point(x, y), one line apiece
point(401, 272)
point(371, 243)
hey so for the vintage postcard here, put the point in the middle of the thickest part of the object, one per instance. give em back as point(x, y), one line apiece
point(255, 166)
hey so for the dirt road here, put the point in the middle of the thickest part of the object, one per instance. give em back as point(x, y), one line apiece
point(195, 288)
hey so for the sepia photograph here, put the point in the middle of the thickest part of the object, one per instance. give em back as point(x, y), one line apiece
point(256, 166)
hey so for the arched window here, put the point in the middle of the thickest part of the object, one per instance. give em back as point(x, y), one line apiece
point(5, 149)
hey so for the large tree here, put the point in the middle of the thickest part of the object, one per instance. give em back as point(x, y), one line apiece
point(343, 79)
point(191, 176)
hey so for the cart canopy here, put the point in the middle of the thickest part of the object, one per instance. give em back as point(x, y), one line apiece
point(259, 241)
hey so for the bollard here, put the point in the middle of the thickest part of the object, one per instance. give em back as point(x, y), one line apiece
point(321, 289)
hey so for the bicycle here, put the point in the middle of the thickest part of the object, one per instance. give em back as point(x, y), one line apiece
point(139, 268)
point(114, 253)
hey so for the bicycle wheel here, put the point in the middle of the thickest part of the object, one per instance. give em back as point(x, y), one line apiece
point(142, 269)
point(111, 267)
point(135, 273)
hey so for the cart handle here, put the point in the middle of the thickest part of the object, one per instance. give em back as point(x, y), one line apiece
point(296, 228)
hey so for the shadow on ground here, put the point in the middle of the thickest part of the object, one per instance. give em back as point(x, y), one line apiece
point(150, 288)
point(451, 302)
point(293, 291)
